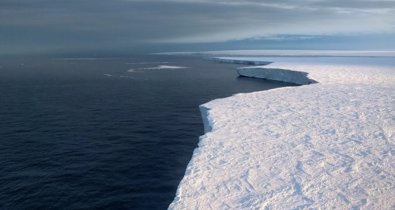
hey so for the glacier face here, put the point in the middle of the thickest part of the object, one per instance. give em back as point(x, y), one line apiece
point(326, 145)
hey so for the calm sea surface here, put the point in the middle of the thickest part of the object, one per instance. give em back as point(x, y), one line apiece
point(88, 134)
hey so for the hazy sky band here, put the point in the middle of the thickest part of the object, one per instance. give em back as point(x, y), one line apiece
point(97, 24)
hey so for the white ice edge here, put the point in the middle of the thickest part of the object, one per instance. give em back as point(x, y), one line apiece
point(326, 145)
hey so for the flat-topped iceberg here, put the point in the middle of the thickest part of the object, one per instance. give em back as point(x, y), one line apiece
point(328, 145)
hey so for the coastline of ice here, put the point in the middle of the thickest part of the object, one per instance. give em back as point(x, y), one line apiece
point(320, 146)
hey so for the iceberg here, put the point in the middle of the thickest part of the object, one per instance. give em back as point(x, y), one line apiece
point(325, 145)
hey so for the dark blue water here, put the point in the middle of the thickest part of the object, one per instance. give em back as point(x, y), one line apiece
point(72, 137)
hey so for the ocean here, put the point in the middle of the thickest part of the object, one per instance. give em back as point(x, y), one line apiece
point(108, 133)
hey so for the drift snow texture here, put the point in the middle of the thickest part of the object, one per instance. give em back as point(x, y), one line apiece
point(326, 145)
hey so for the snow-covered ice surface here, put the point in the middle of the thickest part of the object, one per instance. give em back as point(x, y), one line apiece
point(328, 145)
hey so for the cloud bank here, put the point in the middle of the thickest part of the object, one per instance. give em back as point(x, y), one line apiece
point(49, 24)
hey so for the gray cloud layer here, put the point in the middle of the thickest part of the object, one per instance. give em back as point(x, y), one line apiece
point(50, 24)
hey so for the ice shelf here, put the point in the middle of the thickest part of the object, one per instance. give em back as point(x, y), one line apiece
point(327, 145)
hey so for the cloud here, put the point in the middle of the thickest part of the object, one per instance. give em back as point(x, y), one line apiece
point(137, 23)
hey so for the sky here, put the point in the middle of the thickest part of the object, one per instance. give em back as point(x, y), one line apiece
point(135, 26)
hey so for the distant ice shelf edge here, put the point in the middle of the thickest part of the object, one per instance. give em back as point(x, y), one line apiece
point(325, 145)
point(283, 75)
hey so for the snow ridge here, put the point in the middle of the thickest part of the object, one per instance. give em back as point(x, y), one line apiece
point(328, 145)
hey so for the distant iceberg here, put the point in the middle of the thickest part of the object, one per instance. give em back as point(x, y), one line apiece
point(327, 145)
